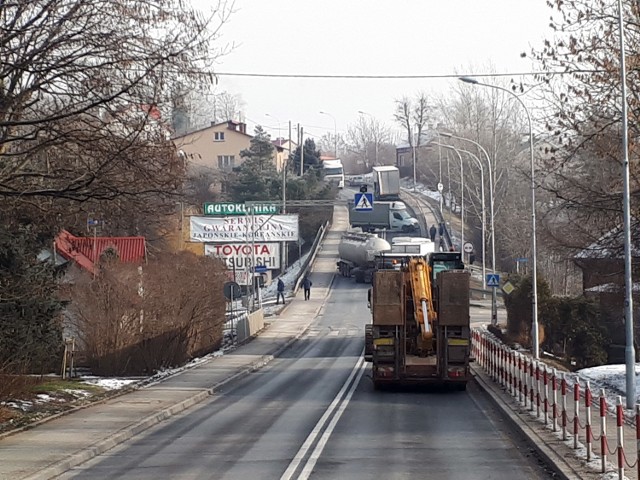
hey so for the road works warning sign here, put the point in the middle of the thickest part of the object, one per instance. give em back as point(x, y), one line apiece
point(260, 228)
point(241, 255)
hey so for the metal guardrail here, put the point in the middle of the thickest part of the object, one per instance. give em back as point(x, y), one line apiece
point(425, 202)
point(312, 255)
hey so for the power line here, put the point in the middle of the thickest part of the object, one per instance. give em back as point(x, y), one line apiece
point(398, 77)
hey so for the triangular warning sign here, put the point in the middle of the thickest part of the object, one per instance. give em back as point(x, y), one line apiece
point(363, 203)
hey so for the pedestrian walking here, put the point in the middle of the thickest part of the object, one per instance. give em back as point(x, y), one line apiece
point(306, 284)
point(432, 232)
point(280, 292)
point(441, 229)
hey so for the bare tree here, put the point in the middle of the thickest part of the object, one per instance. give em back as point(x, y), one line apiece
point(582, 169)
point(77, 100)
point(366, 138)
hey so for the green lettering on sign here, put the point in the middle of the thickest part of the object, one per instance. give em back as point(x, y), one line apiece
point(223, 209)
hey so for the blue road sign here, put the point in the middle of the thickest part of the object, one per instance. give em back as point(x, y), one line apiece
point(363, 202)
point(493, 280)
point(260, 269)
point(522, 260)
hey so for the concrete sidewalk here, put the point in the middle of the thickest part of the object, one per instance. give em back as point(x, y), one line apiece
point(55, 446)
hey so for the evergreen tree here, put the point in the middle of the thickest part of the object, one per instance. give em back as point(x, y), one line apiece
point(257, 178)
point(311, 157)
point(30, 327)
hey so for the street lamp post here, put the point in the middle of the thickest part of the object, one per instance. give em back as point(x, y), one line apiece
point(534, 267)
point(494, 300)
point(629, 351)
point(482, 201)
point(276, 119)
point(461, 197)
point(375, 140)
point(335, 134)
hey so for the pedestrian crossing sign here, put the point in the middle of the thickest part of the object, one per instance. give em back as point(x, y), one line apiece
point(363, 202)
point(493, 280)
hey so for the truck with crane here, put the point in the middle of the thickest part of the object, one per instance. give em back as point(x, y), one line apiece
point(420, 330)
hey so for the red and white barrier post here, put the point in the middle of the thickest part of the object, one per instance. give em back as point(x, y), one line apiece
point(620, 424)
point(531, 384)
point(538, 388)
point(603, 431)
point(554, 409)
point(563, 393)
point(587, 407)
point(545, 395)
point(520, 383)
point(576, 418)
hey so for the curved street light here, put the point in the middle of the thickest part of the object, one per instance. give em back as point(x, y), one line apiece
point(494, 300)
point(375, 140)
point(535, 347)
point(482, 201)
point(335, 133)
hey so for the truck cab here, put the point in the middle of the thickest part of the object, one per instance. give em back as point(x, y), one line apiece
point(333, 172)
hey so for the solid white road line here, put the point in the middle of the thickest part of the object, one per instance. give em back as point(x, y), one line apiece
point(315, 455)
point(358, 369)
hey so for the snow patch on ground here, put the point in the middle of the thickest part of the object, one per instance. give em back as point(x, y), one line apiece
point(109, 383)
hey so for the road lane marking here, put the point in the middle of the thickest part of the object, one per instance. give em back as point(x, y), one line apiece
point(358, 370)
point(315, 455)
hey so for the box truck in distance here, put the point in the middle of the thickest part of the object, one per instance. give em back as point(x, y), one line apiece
point(384, 215)
point(333, 172)
point(386, 183)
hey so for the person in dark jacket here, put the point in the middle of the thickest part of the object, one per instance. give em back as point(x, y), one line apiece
point(280, 292)
point(432, 233)
point(306, 284)
point(441, 229)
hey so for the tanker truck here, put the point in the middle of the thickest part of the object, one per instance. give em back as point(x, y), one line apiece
point(358, 252)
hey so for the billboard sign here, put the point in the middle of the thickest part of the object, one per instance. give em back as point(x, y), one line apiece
point(241, 255)
point(224, 209)
point(276, 228)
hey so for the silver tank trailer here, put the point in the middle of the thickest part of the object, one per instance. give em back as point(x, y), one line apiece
point(361, 248)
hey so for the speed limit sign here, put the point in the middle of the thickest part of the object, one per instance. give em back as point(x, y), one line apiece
point(468, 247)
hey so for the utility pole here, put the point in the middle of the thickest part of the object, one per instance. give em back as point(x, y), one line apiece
point(301, 151)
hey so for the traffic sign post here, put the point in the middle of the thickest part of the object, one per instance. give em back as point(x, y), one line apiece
point(468, 247)
point(363, 202)
point(493, 281)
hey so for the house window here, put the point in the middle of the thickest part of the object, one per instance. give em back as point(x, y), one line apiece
point(401, 161)
point(226, 161)
point(218, 136)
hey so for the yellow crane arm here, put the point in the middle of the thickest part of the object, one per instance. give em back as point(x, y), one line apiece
point(424, 312)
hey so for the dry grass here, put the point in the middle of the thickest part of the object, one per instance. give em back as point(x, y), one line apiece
point(33, 398)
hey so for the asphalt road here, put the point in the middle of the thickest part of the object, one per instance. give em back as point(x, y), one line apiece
point(313, 413)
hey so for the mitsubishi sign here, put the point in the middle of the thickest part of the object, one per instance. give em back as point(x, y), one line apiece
point(260, 228)
point(240, 256)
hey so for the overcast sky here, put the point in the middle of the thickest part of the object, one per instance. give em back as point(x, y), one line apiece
point(367, 37)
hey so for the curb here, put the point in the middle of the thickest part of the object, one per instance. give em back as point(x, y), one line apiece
point(554, 459)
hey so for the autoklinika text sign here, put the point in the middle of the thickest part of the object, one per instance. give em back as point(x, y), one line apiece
point(263, 228)
point(224, 209)
point(240, 255)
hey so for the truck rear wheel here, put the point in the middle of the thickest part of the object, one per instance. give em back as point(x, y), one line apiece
point(368, 342)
